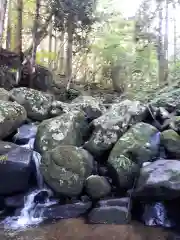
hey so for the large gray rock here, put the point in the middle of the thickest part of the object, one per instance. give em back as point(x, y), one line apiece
point(4, 94)
point(66, 211)
point(16, 167)
point(131, 150)
point(175, 123)
point(97, 186)
point(69, 129)
point(65, 169)
point(140, 143)
point(109, 215)
point(159, 180)
point(171, 142)
point(36, 103)
point(168, 98)
point(113, 124)
point(12, 115)
point(89, 105)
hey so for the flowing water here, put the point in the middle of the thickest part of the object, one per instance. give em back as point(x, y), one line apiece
point(31, 209)
point(76, 229)
point(28, 213)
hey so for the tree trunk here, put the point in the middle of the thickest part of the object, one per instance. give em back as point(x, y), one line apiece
point(8, 35)
point(175, 42)
point(69, 50)
point(166, 42)
point(35, 42)
point(118, 78)
point(3, 6)
point(50, 45)
point(55, 50)
point(18, 38)
point(18, 48)
point(41, 34)
point(61, 61)
point(160, 46)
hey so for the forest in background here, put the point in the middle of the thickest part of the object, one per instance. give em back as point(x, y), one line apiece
point(91, 42)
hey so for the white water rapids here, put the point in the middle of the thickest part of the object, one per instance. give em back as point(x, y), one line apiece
point(31, 209)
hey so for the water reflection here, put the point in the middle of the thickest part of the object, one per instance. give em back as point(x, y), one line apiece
point(76, 229)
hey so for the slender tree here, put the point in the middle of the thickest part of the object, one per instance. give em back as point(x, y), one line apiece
point(175, 42)
point(50, 43)
point(18, 47)
point(8, 34)
point(160, 44)
point(166, 40)
point(35, 40)
point(3, 6)
point(70, 29)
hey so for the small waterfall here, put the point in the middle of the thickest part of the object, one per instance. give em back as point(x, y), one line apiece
point(36, 201)
point(37, 162)
point(28, 213)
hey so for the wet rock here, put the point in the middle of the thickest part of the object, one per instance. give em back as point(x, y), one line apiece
point(97, 187)
point(109, 215)
point(171, 142)
point(163, 114)
point(4, 95)
point(41, 197)
point(175, 124)
point(111, 125)
point(36, 103)
point(89, 105)
point(15, 168)
point(155, 214)
point(12, 115)
point(64, 211)
point(25, 133)
point(159, 181)
point(65, 169)
point(69, 129)
point(121, 202)
point(2, 204)
point(16, 201)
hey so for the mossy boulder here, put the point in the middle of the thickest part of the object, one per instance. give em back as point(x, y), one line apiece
point(137, 144)
point(12, 116)
point(169, 99)
point(113, 124)
point(36, 103)
point(131, 150)
point(69, 129)
point(65, 169)
point(97, 186)
point(89, 105)
point(123, 171)
point(171, 142)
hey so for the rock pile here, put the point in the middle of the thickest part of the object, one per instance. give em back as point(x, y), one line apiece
point(101, 157)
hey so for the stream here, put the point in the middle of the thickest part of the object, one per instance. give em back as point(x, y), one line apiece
point(76, 229)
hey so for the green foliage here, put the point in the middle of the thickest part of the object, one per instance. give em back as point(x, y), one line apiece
point(43, 56)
